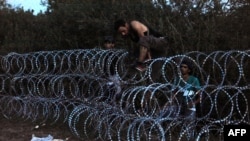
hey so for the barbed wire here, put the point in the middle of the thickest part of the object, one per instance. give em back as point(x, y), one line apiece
point(99, 89)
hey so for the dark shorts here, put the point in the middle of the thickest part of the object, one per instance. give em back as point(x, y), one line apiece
point(156, 45)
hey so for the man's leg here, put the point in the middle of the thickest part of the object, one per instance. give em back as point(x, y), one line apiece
point(148, 55)
point(144, 53)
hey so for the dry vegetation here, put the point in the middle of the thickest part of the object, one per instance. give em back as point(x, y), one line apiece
point(204, 26)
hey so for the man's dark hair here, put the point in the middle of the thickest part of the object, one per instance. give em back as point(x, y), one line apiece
point(189, 64)
point(119, 23)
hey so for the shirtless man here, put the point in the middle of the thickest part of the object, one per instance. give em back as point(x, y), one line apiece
point(152, 44)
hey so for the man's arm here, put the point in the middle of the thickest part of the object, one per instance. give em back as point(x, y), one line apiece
point(139, 27)
point(196, 100)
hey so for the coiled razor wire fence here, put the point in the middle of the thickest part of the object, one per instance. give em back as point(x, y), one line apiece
point(98, 94)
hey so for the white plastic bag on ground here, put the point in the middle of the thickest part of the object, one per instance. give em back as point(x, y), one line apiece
point(48, 138)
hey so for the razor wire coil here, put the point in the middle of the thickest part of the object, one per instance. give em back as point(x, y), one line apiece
point(97, 88)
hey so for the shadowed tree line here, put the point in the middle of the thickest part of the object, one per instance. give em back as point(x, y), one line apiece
point(79, 24)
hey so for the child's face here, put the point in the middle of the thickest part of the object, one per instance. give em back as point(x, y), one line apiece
point(109, 45)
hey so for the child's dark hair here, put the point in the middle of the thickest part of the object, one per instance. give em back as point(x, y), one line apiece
point(109, 39)
point(119, 23)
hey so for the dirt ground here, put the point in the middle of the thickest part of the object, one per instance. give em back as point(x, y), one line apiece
point(18, 130)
